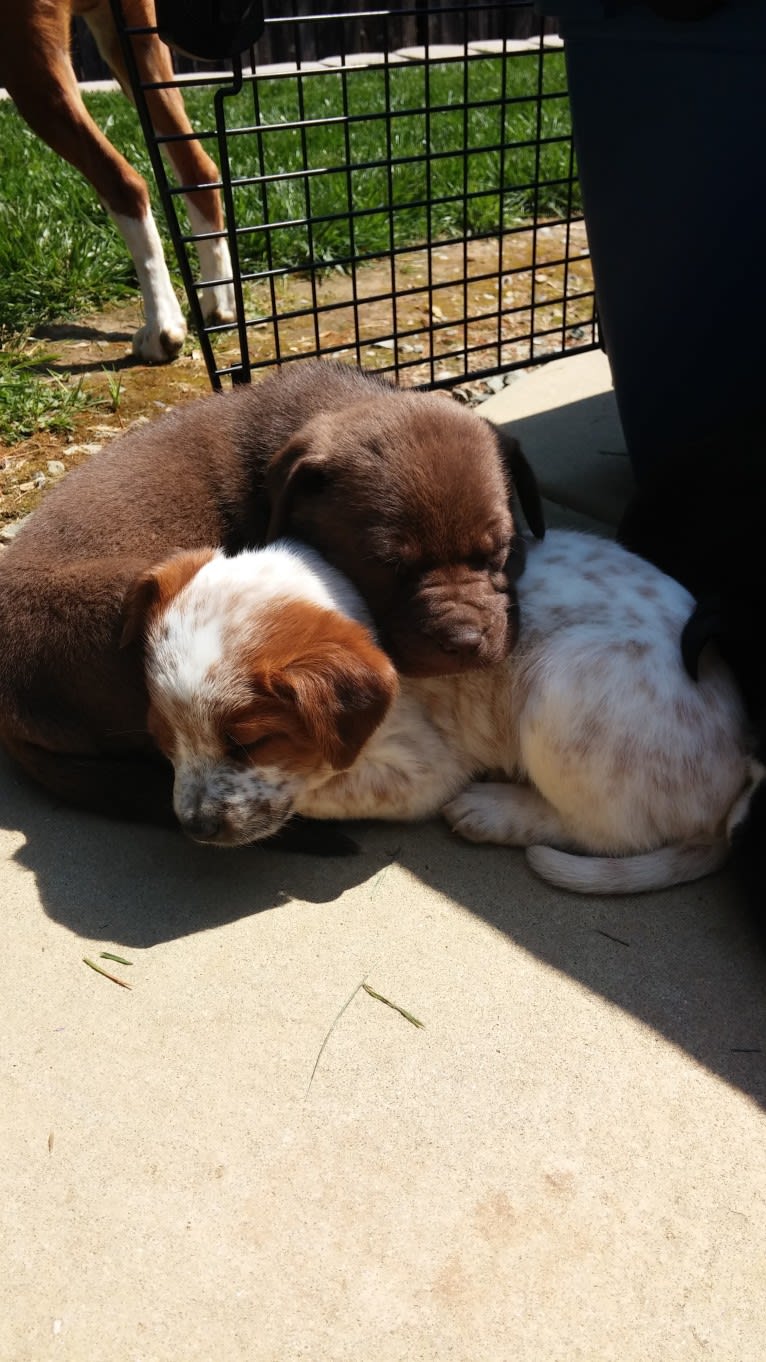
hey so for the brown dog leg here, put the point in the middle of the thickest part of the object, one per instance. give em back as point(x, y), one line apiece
point(190, 162)
point(37, 71)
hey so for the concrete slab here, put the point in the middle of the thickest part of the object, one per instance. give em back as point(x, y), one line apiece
point(248, 1157)
point(565, 415)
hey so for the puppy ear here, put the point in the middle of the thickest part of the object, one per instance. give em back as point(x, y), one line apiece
point(341, 694)
point(298, 468)
point(154, 589)
point(523, 481)
point(703, 625)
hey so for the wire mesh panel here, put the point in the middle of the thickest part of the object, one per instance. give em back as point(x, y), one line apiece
point(399, 189)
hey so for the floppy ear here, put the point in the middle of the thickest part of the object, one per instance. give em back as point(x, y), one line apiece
point(522, 479)
point(702, 626)
point(341, 693)
point(300, 466)
point(153, 589)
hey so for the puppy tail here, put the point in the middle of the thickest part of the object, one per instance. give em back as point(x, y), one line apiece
point(629, 874)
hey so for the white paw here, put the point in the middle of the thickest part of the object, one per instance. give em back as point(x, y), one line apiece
point(217, 302)
point(476, 815)
point(159, 344)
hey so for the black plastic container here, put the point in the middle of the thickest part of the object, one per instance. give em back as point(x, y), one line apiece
point(669, 123)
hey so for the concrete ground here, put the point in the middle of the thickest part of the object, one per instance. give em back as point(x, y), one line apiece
point(249, 1158)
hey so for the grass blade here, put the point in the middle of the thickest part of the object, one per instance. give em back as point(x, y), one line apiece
point(347, 1003)
point(107, 955)
point(401, 1010)
point(92, 964)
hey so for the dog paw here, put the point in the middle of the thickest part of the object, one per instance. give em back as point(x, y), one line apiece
point(218, 304)
point(157, 344)
point(476, 815)
point(217, 301)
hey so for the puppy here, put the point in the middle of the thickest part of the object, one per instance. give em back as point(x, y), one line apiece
point(269, 696)
point(408, 493)
point(701, 519)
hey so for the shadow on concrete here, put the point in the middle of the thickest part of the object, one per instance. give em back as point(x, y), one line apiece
point(684, 963)
point(578, 453)
point(140, 886)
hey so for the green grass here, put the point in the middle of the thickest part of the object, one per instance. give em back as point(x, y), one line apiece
point(440, 176)
point(31, 399)
point(59, 255)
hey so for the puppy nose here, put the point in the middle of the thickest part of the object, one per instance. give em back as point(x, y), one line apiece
point(468, 640)
point(203, 827)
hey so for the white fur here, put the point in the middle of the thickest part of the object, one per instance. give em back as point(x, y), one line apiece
point(217, 301)
point(164, 331)
point(626, 767)
point(192, 642)
point(193, 647)
point(258, 799)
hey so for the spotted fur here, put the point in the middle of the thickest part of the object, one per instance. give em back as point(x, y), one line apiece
point(620, 773)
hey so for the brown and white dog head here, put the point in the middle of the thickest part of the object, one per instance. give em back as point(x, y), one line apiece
point(263, 681)
point(411, 496)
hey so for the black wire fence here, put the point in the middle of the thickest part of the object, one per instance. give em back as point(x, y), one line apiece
point(399, 189)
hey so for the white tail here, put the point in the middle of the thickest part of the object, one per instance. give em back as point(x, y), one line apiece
point(628, 874)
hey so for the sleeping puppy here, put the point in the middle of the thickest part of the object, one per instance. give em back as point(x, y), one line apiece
point(701, 520)
point(407, 493)
point(269, 695)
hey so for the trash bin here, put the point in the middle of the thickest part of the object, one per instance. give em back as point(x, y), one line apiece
point(669, 121)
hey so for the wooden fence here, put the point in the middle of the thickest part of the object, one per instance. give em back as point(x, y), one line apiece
point(357, 28)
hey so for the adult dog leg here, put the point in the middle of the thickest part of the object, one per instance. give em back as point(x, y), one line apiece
point(40, 79)
point(190, 163)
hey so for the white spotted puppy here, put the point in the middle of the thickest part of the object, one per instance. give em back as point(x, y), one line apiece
point(269, 695)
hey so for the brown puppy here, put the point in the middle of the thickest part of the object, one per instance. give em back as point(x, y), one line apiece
point(406, 493)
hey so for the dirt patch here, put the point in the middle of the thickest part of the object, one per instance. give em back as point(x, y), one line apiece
point(461, 309)
point(95, 350)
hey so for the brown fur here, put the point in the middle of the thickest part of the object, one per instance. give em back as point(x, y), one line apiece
point(36, 69)
point(403, 492)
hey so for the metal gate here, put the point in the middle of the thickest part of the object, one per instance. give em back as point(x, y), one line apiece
point(391, 198)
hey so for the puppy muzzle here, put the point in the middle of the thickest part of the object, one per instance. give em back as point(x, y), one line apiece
point(230, 807)
point(445, 638)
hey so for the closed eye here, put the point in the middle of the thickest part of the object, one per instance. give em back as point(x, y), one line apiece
point(488, 562)
point(245, 751)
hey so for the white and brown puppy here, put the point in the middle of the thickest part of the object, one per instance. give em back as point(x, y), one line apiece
point(270, 696)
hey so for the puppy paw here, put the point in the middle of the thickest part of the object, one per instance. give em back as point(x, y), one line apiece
point(477, 815)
